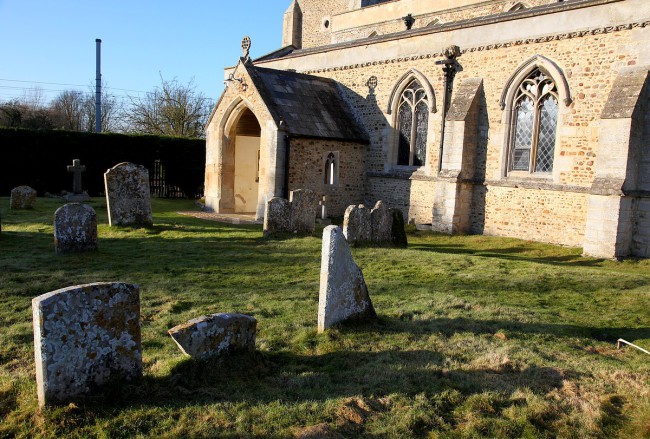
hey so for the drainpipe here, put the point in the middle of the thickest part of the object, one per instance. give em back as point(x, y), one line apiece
point(287, 150)
point(449, 68)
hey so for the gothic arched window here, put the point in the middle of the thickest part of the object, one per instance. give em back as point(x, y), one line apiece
point(534, 124)
point(331, 169)
point(412, 121)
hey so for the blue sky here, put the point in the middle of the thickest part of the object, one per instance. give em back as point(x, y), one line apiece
point(53, 41)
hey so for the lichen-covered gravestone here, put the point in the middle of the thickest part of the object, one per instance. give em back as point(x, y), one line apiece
point(128, 196)
point(304, 208)
point(75, 228)
point(214, 335)
point(85, 336)
point(356, 224)
point(343, 292)
point(277, 216)
point(22, 197)
point(381, 223)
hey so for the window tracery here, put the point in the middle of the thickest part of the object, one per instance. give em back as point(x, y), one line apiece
point(534, 124)
point(412, 122)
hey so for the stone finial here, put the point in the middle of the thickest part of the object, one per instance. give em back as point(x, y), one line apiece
point(214, 335)
point(22, 197)
point(246, 47)
point(75, 228)
point(84, 337)
point(128, 196)
point(343, 293)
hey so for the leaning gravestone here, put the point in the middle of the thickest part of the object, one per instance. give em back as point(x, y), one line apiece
point(381, 223)
point(304, 208)
point(356, 224)
point(214, 335)
point(277, 216)
point(128, 197)
point(75, 228)
point(343, 292)
point(398, 232)
point(22, 197)
point(85, 336)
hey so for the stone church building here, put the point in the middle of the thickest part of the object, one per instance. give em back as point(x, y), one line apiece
point(525, 119)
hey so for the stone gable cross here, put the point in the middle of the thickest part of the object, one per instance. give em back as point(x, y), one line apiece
point(76, 168)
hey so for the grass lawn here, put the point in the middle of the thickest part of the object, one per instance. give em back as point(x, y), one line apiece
point(477, 336)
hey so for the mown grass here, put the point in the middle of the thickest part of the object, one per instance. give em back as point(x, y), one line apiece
point(476, 337)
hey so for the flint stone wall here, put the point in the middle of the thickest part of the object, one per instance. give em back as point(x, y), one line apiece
point(22, 197)
point(277, 216)
point(343, 293)
point(85, 336)
point(128, 196)
point(75, 228)
point(214, 335)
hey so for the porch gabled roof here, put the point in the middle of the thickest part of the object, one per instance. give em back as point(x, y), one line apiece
point(306, 105)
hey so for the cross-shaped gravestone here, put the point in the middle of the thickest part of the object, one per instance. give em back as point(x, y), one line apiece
point(77, 168)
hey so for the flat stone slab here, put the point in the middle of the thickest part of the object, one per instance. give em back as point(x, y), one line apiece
point(75, 228)
point(215, 335)
point(343, 293)
point(277, 216)
point(128, 195)
point(398, 232)
point(357, 224)
point(304, 208)
point(85, 336)
point(22, 197)
point(381, 222)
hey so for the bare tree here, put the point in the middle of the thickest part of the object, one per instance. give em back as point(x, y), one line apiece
point(172, 109)
point(68, 110)
point(111, 111)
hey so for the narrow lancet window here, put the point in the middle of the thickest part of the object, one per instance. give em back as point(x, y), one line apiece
point(331, 170)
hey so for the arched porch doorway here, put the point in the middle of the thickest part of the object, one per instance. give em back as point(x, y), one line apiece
point(246, 141)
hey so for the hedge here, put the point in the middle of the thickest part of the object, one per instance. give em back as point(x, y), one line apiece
point(40, 158)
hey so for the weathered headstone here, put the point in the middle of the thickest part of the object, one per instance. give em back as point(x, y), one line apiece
point(397, 230)
point(381, 224)
point(22, 197)
point(128, 197)
point(277, 216)
point(75, 228)
point(85, 336)
point(343, 292)
point(356, 224)
point(304, 208)
point(214, 335)
point(77, 194)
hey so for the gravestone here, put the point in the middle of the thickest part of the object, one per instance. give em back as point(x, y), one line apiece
point(75, 228)
point(343, 293)
point(277, 216)
point(356, 224)
point(128, 197)
point(22, 197)
point(381, 223)
point(77, 194)
point(398, 232)
point(214, 335)
point(84, 337)
point(304, 208)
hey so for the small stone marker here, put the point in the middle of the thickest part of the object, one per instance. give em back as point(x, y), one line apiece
point(343, 292)
point(381, 224)
point(277, 216)
point(304, 208)
point(128, 197)
point(398, 232)
point(77, 194)
point(214, 335)
point(75, 228)
point(356, 224)
point(22, 197)
point(85, 336)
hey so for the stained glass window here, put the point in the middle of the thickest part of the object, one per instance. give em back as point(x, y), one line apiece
point(412, 121)
point(534, 124)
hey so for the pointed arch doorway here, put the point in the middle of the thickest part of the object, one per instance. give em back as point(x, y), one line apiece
point(247, 163)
